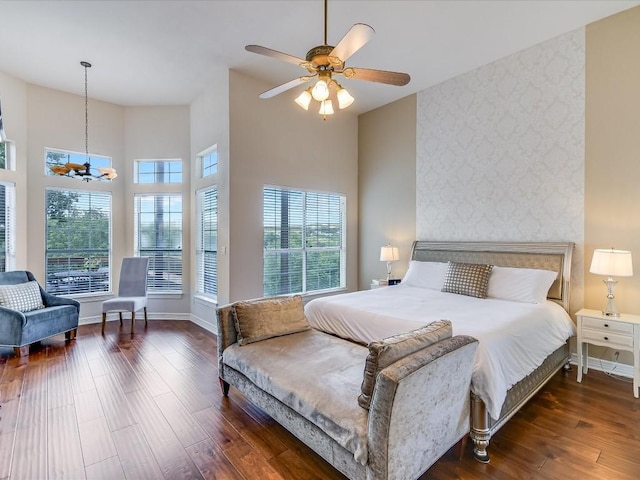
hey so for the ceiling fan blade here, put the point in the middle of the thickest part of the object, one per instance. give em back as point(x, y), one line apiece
point(274, 54)
point(380, 76)
point(354, 39)
point(284, 87)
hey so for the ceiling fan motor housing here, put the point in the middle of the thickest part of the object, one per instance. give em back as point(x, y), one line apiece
point(319, 57)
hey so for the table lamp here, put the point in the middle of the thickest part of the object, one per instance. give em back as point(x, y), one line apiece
point(389, 254)
point(612, 263)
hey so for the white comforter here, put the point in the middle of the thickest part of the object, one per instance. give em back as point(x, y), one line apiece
point(515, 338)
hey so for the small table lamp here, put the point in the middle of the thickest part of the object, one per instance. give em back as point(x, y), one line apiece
point(389, 254)
point(612, 263)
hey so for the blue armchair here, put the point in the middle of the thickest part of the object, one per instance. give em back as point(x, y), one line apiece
point(18, 329)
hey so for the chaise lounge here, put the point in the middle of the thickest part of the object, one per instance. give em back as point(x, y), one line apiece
point(28, 314)
point(386, 411)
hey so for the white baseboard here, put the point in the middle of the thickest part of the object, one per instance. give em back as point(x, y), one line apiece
point(206, 324)
point(150, 317)
point(606, 366)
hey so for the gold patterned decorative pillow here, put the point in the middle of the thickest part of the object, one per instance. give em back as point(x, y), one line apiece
point(22, 297)
point(391, 349)
point(265, 318)
point(467, 279)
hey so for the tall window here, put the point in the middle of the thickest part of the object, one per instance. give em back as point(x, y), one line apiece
point(158, 171)
point(7, 226)
point(78, 236)
point(158, 235)
point(207, 246)
point(209, 161)
point(304, 241)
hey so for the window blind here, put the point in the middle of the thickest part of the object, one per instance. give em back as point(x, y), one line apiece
point(304, 241)
point(158, 235)
point(207, 246)
point(78, 241)
point(7, 226)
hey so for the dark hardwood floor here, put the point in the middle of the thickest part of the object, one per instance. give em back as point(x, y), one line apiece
point(149, 406)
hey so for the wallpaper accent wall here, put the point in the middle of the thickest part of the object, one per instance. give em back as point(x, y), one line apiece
point(500, 151)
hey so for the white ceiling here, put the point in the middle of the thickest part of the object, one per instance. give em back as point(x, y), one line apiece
point(168, 52)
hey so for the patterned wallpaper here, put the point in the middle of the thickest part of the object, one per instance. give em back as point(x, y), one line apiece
point(500, 151)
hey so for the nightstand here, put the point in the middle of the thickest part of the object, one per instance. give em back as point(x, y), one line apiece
point(619, 333)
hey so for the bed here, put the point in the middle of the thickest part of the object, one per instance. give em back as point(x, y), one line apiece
point(522, 343)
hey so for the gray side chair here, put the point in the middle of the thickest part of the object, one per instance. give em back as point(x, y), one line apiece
point(132, 291)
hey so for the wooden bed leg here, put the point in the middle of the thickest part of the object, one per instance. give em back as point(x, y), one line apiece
point(480, 429)
point(461, 446)
point(225, 387)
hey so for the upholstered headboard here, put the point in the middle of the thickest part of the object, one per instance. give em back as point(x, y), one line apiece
point(546, 256)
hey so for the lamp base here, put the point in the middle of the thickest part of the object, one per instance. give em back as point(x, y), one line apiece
point(610, 310)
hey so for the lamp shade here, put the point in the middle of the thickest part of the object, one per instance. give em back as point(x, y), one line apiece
point(614, 263)
point(389, 254)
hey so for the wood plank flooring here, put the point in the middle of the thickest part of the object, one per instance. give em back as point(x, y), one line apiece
point(149, 406)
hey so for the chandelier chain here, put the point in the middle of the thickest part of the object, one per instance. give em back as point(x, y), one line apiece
point(86, 112)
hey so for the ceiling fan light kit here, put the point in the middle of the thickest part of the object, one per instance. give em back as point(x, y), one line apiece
point(324, 61)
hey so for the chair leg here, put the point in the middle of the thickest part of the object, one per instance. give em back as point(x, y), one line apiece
point(71, 334)
point(120, 315)
point(145, 315)
point(21, 351)
point(133, 320)
point(104, 321)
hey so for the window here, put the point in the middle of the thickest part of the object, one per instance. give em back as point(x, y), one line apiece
point(78, 241)
point(158, 235)
point(7, 226)
point(54, 158)
point(207, 248)
point(3, 155)
point(304, 241)
point(158, 171)
point(209, 161)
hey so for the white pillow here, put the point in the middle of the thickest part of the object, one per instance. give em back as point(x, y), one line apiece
point(527, 285)
point(22, 297)
point(425, 274)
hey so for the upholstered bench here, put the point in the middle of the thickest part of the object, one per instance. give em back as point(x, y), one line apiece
point(384, 411)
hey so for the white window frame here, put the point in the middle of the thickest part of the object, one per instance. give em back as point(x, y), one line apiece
point(9, 155)
point(97, 161)
point(305, 248)
point(61, 281)
point(155, 284)
point(167, 162)
point(206, 171)
point(204, 276)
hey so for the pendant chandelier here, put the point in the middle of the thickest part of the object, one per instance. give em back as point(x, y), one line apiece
point(84, 171)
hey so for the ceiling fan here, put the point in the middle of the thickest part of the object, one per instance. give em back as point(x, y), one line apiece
point(323, 62)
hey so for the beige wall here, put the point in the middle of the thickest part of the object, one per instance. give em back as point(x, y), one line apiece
point(13, 93)
point(612, 169)
point(210, 126)
point(157, 133)
point(386, 187)
point(274, 142)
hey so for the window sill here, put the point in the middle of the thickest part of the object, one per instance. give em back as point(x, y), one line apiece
point(206, 301)
point(307, 297)
point(168, 295)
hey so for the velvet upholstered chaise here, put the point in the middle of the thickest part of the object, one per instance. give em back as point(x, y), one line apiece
point(28, 314)
point(382, 412)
